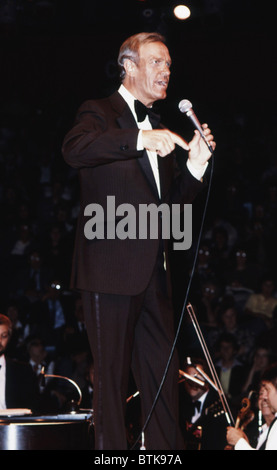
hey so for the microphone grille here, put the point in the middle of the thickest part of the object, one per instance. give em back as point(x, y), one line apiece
point(185, 106)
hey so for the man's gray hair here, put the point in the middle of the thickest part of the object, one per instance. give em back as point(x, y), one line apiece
point(130, 48)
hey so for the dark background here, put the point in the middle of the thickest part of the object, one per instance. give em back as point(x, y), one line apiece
point(56, 53)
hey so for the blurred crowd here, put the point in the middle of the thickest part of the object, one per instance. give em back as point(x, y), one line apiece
point(233, 290)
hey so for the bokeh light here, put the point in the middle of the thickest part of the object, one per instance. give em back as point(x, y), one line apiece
point(182, 12)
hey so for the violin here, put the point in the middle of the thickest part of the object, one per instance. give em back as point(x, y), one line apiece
point(244, 417)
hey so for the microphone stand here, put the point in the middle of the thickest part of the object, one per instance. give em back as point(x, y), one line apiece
point(216, 384)
point(44, 376)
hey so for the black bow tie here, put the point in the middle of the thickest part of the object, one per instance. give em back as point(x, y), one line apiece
point(197, 405)
point(141, 110)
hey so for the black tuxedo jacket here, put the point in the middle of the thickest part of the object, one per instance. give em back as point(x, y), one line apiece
point(212, 421)
point(21, 386)
point(102, 146)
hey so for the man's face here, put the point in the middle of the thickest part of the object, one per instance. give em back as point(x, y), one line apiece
point(4, 338)
point(264, 406)
point(230, 318)
point(227, 351)
point(150, 76)
point(270, 395)
point(194, 390)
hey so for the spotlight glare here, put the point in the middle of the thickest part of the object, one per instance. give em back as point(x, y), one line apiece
point(181, 12)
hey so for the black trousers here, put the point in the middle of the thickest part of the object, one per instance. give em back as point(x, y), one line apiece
point(133, 333)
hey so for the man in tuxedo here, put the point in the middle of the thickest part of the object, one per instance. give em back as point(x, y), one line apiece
point(202, 420)
point(125, 281)
point(268, 390)
point(18, 383)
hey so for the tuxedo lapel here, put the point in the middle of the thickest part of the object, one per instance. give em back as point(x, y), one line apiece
point(145, 166)
point(154, 119)
point(126, 120)
point(11, 383)
point(166, 174)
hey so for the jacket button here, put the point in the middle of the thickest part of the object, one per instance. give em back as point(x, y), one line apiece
point(124, 147)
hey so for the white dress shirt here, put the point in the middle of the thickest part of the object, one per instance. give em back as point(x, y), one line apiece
point(272, 438)
point(263, 435)
point(271, 443)
point(198, 413)
point(3, 405)
point(146, 125)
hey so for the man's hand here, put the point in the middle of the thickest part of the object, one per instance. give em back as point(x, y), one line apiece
point(199, 152)
point(162, 141)
point(234, 435)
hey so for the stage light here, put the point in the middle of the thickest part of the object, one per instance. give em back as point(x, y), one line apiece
point(182, 12)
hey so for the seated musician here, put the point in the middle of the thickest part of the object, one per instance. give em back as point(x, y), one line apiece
point(202, 419)
point(268, 393)
point(18, 382)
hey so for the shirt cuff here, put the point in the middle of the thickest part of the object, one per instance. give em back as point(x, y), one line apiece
point(198, 174)
point(139, 141)
point(243, 445)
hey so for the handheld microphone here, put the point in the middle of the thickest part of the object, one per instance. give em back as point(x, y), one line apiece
point(185, 106)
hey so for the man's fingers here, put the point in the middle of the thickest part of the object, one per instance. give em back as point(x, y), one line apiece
point(162, 141)
point(197, 138)
point(180, 141)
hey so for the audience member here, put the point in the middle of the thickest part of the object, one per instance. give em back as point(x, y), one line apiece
point(261, 360)
point(75, 331)
point(23, 241)
point(269, 336)
point(51, 399)
point(55, 251)
point(230, 370)
point(242, 271)
point(50, 316)
point(32, 280)
point(208, 303)
point(204, 270)
point(228, 322)
point(261, 305)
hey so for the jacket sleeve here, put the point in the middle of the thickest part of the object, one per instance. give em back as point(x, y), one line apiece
point(96, 139)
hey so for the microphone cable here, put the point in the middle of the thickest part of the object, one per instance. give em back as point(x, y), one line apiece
point(183, 308)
